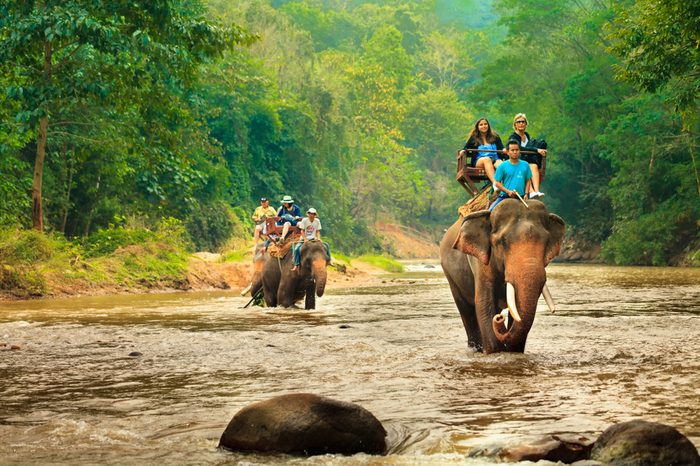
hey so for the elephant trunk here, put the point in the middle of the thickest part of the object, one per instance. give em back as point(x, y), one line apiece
point(318, 270)
point(525, 279)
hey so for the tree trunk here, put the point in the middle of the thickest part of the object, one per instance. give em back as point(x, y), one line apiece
point(37, 213)
point(69, 186)
point(42, 132)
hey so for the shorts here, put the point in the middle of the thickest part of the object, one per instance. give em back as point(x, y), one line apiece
point(493, 158)
point(533, 158)
point(287, 218)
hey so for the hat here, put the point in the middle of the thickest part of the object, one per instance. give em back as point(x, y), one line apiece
point(263, 199)
point(311, 211)
point(287, 200)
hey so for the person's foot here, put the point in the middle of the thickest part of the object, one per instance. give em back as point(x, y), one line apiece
point(295, 268)
point(536, 195)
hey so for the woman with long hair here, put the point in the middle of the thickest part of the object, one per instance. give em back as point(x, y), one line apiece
point(483, 138)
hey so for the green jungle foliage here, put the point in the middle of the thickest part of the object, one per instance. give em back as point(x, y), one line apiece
point(124, 257)
point(113, 113)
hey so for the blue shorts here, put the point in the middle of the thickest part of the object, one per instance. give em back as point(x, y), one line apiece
point(493, 157)
point(287, 218)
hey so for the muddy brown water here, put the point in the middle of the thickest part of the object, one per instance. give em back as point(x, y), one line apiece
point(624, 344)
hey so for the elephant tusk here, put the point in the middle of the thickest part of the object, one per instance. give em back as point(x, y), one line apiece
point(548, 298)
point(504, 314)
point(510, 299)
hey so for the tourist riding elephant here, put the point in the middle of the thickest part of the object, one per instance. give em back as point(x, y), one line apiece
point(494, 260)
point(284, 286)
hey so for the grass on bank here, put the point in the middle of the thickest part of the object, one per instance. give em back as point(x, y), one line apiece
point(38, 264)
point(383, 262)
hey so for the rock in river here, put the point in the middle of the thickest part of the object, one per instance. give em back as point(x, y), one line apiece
point(637, 443)
point(304, 424)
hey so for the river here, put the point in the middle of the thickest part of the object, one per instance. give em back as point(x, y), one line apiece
point(622, 345)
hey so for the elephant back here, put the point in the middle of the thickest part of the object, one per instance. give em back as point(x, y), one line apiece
point(279, 250)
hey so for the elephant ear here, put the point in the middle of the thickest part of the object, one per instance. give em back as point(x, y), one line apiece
point(556, 233)
point(475, 236)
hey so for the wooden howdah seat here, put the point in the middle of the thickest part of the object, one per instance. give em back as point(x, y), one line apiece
point(467, 175)
point(271, 228)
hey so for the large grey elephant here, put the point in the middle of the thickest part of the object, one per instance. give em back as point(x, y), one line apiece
point(284, 287)
point(496, 260)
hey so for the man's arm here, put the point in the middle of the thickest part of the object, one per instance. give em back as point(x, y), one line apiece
point(500, 186)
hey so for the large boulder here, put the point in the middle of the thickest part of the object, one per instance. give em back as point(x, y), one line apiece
point(642, 443)
point(304, 424)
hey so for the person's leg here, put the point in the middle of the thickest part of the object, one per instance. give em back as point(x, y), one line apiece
point(498, 200)
point(296, 251)
point(487, 164)
point(535, 177)
point(256, 235)
point(285, 229)
point(328, 249)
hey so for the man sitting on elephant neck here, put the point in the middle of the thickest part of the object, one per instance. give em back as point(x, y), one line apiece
point(261, 212)
point(311, 230)
point(512, 177)
point(289, 215)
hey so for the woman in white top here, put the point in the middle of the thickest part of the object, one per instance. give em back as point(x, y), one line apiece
point(535, 160)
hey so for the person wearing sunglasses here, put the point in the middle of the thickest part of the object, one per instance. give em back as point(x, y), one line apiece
point(483, 138)
point(527, 143)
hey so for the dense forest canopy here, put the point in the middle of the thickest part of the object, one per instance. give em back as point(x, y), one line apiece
point(129, 112)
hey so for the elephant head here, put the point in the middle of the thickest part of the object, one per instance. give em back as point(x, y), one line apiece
point(314, 260)
point(259, 258)
point(513, 244)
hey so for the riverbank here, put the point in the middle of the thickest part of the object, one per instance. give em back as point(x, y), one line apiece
point(124, 260)
point(204, 271)
point(120, 261)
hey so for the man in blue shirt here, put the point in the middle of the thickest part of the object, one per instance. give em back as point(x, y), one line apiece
point(289, 214)
point(512, 176)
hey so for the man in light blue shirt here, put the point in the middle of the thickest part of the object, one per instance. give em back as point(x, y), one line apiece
point(512, 176)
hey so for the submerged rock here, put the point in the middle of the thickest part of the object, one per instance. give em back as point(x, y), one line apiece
point(641, 443)
point(304, 424)
point(566, 448)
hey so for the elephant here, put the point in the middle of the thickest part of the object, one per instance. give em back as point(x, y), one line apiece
point(259, 259)
point(496, 260)
point(284, 287)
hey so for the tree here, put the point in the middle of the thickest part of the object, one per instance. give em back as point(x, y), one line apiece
point(76, 54)
point(658, 43)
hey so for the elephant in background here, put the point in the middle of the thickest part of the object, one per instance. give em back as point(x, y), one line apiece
point(493, 260)
point(259, 259)
point(284, 287)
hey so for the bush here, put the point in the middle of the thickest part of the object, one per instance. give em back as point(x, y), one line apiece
point(26, 246)
point(210, 225)
point(653, 238)
point(22, 281)
point(173, 231)
point(106, 241)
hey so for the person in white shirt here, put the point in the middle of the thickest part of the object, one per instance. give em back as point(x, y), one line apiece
point(310, 230)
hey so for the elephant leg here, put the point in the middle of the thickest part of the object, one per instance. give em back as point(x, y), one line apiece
point(468, 314)
point(484, 304)
point(270, 296)
point(285, 293)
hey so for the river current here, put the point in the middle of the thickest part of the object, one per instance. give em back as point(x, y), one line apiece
point(624, 344)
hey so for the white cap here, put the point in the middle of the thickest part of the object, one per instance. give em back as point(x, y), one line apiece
point(311, 211)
